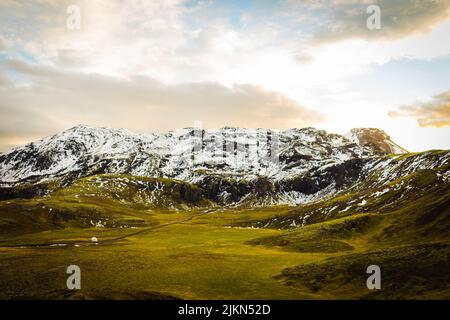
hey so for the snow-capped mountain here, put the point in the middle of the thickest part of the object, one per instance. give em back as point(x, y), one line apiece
point(231, 165)
point(179, 154)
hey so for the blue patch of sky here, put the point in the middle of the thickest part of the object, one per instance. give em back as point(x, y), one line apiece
point(12, 75)
point(296, 23)
point(233, 10)
point(404, 80)
point(18, 55)
point(27, 57)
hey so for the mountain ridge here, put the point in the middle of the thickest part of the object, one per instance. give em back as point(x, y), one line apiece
point(349, 135)
point(232, 166)
point(236, 142)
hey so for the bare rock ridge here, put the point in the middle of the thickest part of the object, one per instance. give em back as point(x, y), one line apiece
point(375, 139)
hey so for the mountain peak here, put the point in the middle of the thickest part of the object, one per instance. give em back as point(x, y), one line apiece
point(376, 139)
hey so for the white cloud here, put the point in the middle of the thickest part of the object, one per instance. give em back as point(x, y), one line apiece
point(338, 20)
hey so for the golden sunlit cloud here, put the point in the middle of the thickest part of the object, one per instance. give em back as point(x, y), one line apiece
point(435, 113)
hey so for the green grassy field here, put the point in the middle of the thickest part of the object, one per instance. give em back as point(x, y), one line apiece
point(198, 259)
point(191, 260)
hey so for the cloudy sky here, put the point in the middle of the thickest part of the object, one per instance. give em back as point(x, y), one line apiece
point(152, 66)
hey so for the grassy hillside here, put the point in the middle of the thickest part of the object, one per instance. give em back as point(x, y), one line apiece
point(406, 234)
point(112, 201)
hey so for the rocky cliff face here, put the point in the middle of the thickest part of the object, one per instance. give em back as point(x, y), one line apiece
point(376, 139)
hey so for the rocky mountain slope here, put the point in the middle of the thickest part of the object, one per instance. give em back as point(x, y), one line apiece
point(229, 166)
point(375, 139)
point(178, 154)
